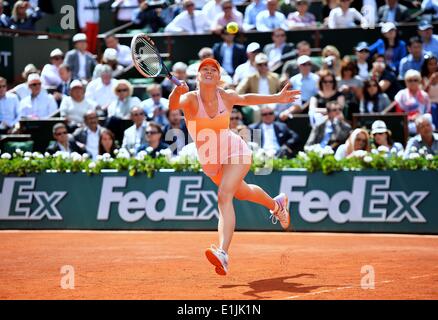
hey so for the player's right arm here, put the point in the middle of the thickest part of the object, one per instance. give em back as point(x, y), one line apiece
point(178, 98)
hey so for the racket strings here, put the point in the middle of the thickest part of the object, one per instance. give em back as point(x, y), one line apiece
point(147, 57)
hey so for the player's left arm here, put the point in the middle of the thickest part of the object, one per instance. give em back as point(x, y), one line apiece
point(284, 96)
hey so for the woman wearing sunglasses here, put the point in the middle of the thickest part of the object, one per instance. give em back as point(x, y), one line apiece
point(224, 156)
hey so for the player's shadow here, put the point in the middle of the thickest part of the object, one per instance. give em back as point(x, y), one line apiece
point(259, 287)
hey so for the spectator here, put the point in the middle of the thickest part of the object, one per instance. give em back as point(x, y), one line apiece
point(179, 70)
point(63, 142)
point(359, 139)
point(274, 135)
point(9, 108)
point(88, 136)
point(430, 6)
point(331, 59)
point(362, 54)
point(333, 131)
point(301, 18)
point(24, 16)
point(235, 119)
point(391, 46)
point(412, 100)
point(251, 12)
point(328, 91)
point(382, 137)
point(22, 90)
point(156, 106)
point(249, 67)
point(414, 60)
point(88, 18)
point(151, 19)
point(101, 90)
point(327, 7)
point(121, 107)
point(80, 61)
point(290, 68)
point(385, 76)
point(63, 88)
point(430, 40)
point(190, 20)
point(374, 100)
point(279, 50)
point(154, 135)
point(393, 12)
point(204, 53)
point(271, 19)
point(425, 137)
point(351, 87)
point(306, 81)
point(50, 77)
point(227, 15)
point(124, 56)
point(228, 53)
point(134, 136)
point(124, 10)
point(429, 73)
point(5, 21)
point(261, 82)
point(107, 143)
point(368, 8)
point(175, 133)
point(74, 107)
point(109, 59)
point(39, 104)
point(345, 17)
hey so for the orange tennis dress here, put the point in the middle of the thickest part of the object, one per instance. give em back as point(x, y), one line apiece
point(216, 144)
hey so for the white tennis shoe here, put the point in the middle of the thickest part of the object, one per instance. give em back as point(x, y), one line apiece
point(218, 258)
point(282, 212)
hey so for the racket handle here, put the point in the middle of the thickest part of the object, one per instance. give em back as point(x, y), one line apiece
point(175, 80)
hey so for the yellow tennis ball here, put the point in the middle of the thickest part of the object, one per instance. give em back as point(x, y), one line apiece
point(232, 27)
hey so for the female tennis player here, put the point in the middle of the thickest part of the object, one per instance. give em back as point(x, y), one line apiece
point(224, 156)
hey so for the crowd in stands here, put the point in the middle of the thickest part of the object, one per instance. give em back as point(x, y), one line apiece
point(393, 74)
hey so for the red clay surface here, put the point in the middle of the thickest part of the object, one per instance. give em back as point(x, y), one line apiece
point(171, 265)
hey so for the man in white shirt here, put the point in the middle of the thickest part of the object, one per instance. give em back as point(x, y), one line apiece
point(156, 106)
point(50, 77)
point(124, 56)
point(74, 108)
point(87, 137)
point(345, 17)
point(9, 108)
point(134, 136)
point(271, 19)
point(22, 90)
point(125, 10)
point(248, 68)
point(101, 90)
point(40, 104)
point(190, 20)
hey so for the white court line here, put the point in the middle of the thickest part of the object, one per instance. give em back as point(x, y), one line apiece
point(350, 287)
point(270, 233)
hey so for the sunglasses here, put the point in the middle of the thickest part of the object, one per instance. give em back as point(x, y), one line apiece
point(327, 81)
point(122, 90)
point(281, 35)
point(307, 64)
point(267, 114)
point(262, 64)
point(148, 133)
point(155, 95)
point(138, 114)
point(35, 84)
point(227, 8)
point(234, 118)
point(57, 58)
point(61, 133)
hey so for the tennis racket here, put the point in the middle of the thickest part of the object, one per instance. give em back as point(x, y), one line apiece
point(147, 59)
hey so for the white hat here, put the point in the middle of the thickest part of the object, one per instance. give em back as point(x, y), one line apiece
point(79, 37)
point(253, 46)
point(110, 54)
point(303, 59)
point(55, 53)
point(379, 126)
point(76, 83)
point(33, 77)
point(261, 58)
point(388, 26)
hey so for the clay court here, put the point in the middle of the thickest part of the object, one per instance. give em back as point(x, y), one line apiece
point(171, 265)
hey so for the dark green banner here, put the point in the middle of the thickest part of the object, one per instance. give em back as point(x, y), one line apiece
point(361, 201)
